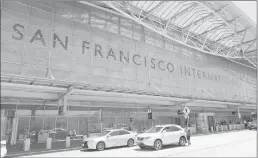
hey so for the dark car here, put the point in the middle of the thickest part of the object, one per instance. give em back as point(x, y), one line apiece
point(252, 125)
point(58, 133)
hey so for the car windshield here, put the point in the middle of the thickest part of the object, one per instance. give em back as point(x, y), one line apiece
point(154, 130)
point(103, 133)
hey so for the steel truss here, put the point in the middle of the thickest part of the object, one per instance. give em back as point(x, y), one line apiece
point(198, 25)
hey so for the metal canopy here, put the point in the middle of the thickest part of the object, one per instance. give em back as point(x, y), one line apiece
point(218, 28)
point(39, 90)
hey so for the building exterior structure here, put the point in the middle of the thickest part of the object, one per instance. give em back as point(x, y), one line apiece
point(103, 68)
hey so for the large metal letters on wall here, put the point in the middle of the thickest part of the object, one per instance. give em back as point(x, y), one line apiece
point(78, 52)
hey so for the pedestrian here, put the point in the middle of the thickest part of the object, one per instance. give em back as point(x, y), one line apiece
point(245, 123)
point(188, 135)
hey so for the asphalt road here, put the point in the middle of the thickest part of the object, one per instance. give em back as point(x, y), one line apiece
point(233, 144)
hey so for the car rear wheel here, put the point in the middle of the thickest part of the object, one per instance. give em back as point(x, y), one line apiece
point(182, 141)
point(158, 144)
point(130, 142)
point(100, 146)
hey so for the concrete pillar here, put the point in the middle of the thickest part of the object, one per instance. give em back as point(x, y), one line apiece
point(26, 144)
point(84, 138)
point(48, 143)
point(67, 142)
point(14, 131)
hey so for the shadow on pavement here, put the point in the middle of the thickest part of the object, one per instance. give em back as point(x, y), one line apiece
point(92, 150)
point(151, 149)
point(40, 148)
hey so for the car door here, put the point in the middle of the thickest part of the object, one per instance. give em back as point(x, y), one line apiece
point(175, 134)
point(166, 136)
point(113, 139)
point(124, 136)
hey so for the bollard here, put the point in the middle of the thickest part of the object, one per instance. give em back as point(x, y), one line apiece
point(67, 142)
point(26, 144)
point(217, 129)
point(211, 129)
point(48, 143)
point(230, 127)
point(234, 126)
point(84, 138)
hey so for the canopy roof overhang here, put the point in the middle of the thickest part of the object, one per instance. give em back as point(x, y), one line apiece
point(20, 90)
point(218, 28)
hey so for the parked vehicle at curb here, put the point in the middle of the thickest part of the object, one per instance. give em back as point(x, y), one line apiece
point(252, 125)
point(110, 138)
point(3, 148)
point(161, 135)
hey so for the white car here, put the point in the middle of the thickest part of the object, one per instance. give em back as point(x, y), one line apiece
point(161, 135)
point(110, 138)
point(3, 148)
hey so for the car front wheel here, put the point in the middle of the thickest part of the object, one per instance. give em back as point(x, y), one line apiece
point(182, 141)
point(158, 144)
point(130, 142)
point(100, 146)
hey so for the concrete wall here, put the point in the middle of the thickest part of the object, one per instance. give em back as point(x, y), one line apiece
point(47, 41)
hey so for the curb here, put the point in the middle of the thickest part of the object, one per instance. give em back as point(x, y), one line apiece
point(41, 152)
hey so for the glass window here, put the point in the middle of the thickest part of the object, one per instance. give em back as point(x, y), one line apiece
point(172, 129)
point(123, 132)
point(39, 5)
point(114, 133)
point(126, 32)
point(41, 14)
point(98, 22)
point(11, 56)
point(21, 8)
point(34, 71)
point(5, 13)
point(47, 24)
point(10, 68)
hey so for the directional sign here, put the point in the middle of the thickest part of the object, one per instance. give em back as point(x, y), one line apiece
point(149, 110)
point(149, 113)
point(186, 111)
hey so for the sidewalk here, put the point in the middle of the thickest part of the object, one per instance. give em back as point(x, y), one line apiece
point(38, 148)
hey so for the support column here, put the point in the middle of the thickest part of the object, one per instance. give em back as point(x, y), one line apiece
point(14, 130)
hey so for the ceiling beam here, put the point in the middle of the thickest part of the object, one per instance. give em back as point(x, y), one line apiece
point(230, 21)
point(216, 27)
point(183, 11)
point(218, 10)
point(251, 51)
point(238, 32)
point(154, 8)
point(253, 40)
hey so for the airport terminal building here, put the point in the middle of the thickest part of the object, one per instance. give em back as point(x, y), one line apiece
point(94, 65)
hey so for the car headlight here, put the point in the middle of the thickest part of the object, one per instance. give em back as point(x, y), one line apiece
point(148, 138)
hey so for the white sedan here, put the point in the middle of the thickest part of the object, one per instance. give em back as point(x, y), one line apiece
point(161, 135)
point(3, 148)
point(110, 138)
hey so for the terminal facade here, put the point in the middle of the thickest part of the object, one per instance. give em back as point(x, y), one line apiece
point(107, 70)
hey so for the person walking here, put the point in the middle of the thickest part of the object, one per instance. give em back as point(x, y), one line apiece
point(188, 135)
point(245, 123)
